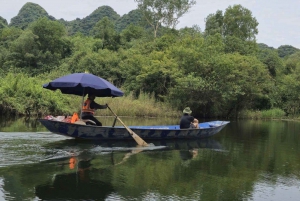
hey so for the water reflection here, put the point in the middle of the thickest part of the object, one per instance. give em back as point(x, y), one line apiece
point(95, 170)
point(59, 168)
point(248, 160)
point(75, 186)
point(26, 124)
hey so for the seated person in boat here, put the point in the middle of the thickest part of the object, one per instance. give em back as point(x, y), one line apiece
point(89, 107)
point(188, 121)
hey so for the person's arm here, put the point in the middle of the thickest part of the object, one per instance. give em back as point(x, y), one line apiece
point(191, 118)
point(95, 105)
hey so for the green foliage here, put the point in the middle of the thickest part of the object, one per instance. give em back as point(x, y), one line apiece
point(132, 32)
point(38, 49)
point(104, 30)
point(163, 12)
point(292, 63)
point(274, 113)
point(214, 23)
point(286, 50)
point(288, 93)
point(3, 23)
point(263, 46)
point(20, 94)
point(158, 75)
point(143, 105)
point(271, 59)
point(49, 35)
point(134, 17)
point(8, 35)
point(86, 24)
point(24, 52)
point(194, 31)
point(29, 13)
point(217, 73)
point(237, 22)
point(224, 86)
point(244, 47)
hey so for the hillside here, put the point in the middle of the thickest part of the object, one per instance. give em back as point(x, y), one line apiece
point(31, 12)
point(27, 14)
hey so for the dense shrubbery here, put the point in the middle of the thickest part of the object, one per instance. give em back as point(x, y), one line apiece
point(217, 73)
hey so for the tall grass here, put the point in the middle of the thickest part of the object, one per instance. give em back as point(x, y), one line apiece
point(18, 92)
point(274, 113)
point(143, 106)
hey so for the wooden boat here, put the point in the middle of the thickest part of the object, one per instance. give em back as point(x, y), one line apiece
point(91, 132)
point(84, 83)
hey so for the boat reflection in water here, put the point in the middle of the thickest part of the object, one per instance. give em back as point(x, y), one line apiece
point(94, 171)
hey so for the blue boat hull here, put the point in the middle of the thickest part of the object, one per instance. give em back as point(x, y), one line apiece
point(207, 129)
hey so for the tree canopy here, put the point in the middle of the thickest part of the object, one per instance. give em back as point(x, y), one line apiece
point(164, 12)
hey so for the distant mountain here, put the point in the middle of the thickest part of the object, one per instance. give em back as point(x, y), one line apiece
point(287, 50)
point(133, 17)
point(86, 24)
point(264, 46)
point(29, 13)
point(3, 22)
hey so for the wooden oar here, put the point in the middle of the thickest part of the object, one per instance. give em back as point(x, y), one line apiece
point(137, 138)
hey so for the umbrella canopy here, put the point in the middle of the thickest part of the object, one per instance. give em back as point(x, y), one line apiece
point(82, 84)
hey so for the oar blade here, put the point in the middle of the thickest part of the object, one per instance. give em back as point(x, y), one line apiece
point(138, 139)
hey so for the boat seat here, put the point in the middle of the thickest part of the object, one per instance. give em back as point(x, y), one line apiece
point(85, 122)
point(89, 122)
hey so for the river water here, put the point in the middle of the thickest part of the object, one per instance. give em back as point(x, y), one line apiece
point(248, 160)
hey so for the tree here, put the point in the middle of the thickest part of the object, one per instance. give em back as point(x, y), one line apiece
point(104, 30)
point(50, 35)
point(24, 51)
point(243, 47)
point(87, 23)
point(3, 23)
point(237, 27)
point(271, 59)
point(134, 17)
point(214, 23)
point(238, 22)
point(132, 32)
point(51, 44)
point(164, 12)
point(286, 50)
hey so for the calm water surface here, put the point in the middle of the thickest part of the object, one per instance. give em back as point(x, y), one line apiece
point(247, 160)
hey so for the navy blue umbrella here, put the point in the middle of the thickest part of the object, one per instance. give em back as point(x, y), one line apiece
point(84, 83)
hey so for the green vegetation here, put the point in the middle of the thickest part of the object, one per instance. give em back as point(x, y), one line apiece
point(162, 12)
point(29, 13)
point(275, 113)
point(220, 72)
point(21, 94)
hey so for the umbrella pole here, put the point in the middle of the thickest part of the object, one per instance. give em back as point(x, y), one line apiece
point(81, 105)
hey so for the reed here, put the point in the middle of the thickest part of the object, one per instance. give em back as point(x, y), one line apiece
point(144, 105)
point(22, 95)
point(274, 113)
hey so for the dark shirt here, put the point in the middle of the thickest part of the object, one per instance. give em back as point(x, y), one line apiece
point(95, 105)
point(185, 121)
